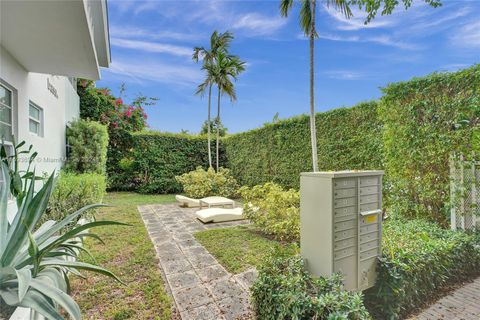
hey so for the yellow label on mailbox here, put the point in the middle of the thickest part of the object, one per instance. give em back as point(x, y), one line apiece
point(371, 218)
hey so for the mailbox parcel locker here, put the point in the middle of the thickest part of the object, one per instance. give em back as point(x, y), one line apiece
point(340, 229)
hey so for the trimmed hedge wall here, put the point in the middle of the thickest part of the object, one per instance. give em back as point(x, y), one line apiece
point(150, 160)
point(425, 119)
point(347, 138)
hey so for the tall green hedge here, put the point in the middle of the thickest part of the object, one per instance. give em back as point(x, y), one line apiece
point(152, 159)
point(348, 138)
point(425, 120)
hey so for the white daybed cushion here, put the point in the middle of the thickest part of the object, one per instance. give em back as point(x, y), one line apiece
point(187, 202)
point(219, 214)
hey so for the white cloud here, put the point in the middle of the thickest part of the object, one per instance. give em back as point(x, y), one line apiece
point(468, 35)
point(258, 23)
point(344, 75)
point(357, 22)
point(381, 39)
point(152, 47)
point(167, 73)
point(135, 32)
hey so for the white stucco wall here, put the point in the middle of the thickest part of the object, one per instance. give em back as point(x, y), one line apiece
point(57, 111)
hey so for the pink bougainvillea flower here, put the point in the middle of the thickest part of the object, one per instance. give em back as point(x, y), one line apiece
point(119, 101)
point(145, 116)
point(128, 113)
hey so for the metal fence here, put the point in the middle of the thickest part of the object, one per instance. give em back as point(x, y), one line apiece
point(464, 193)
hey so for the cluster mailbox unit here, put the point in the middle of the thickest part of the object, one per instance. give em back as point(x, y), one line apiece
point(340, 229)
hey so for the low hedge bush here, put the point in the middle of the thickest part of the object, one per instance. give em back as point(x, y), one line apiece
point(74, 191)
point(285, 290)
point(202, 183)
point(273, 210)
point(419, 260)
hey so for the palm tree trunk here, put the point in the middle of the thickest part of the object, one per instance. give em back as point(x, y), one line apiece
point(218, 129)
point(209, 139)
point(313, 129)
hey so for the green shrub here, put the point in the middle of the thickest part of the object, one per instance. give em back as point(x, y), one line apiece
point(74, 191)
point(347, 138)
point(202, 183)
point(285, 290)
point(274, 211)
point(419, 260)
point(425, 120)
point(88, 141)
point(148, 161)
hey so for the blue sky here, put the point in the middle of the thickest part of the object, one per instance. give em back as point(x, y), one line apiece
point(152, 41)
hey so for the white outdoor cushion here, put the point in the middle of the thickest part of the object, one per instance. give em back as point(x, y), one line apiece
point(209, 201)
point(219, 214)
point(187, 202)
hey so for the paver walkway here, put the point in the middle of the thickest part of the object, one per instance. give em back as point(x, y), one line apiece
point(461, 304)
point(201, 287)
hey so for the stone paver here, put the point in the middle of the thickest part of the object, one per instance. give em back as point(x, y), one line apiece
point(461, 304)
point(201, 287)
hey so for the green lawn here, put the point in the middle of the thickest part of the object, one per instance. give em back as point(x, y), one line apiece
point(237, 248)
point(129, 253)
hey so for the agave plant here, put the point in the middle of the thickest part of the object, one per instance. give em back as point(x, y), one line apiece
point(35, 260)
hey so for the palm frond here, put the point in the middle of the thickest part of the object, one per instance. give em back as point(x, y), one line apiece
point(285, 6)
point(342, 6)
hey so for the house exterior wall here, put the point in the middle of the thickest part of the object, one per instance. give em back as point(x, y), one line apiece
point(58, 110)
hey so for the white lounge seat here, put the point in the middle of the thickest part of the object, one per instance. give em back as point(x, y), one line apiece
point(187, 202)
point(219, 215)
point(205, 202)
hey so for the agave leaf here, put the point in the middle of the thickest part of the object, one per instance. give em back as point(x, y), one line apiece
point(43, 228)
point(77, 232)
point(17, 235)
point(55, 276)
point(40, 303)
point(80, 249)
point(66, 221)
point(81, 266)
point(4, 176)
point(24, 277)
point(58, 296)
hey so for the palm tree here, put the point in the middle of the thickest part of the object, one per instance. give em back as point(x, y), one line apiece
point(225, 69)
point(307, 24)
point(218, 42)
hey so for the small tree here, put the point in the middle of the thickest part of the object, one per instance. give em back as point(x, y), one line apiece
point(88, 141)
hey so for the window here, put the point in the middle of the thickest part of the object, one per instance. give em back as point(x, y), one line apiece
point(3, 183)
point(35, 119)
point(6, 103)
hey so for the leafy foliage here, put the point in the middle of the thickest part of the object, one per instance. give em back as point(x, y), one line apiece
point(348, 138)
point(148, 161)
point(35, 259)
point(385, 6)
point(200, 183)
point(285, 290)
point(419, 259)
point(274, 211)
point(88, 141)
point(73, 192)
point(215, 125)
point(98, 104)
point(425, 120)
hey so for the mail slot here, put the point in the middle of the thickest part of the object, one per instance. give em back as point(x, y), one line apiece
point(340, 224)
